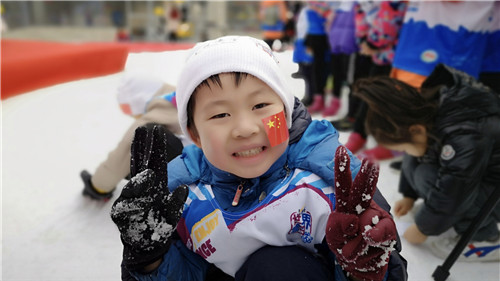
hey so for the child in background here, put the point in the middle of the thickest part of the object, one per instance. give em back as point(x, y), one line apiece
point(255, 196)
point(149, 101)
point(273, 16)
point(302, 57)
point(451, 135)
point(317, 42)
point(343, 47)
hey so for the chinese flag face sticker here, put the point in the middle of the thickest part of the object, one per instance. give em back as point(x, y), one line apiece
point(276, 128)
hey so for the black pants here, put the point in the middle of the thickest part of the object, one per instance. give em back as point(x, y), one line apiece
point(283, 264)
point(273, 264)
point(416, 181)
point(362, 67)
point(339, 67)
point(306, 71)
point(320, 48)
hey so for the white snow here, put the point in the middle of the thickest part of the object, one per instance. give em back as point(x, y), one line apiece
point(359, 209)
point(51, 232)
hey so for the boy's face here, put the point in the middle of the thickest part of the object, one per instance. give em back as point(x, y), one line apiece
point(418, 145)
point(229, 125)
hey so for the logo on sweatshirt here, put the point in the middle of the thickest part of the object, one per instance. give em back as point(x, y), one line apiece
point(301, 223)
point(447, 152)
point(429, 56)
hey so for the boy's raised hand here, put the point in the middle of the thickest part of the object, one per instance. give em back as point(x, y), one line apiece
point(146, 213)
point(359, 232)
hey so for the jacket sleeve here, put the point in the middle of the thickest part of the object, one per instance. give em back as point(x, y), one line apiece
point(179, 263)
point(463, 161)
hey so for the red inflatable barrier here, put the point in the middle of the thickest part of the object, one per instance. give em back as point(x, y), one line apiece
point(30, 65)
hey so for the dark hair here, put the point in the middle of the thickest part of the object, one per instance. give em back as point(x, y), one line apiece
point(394, 106)
point(214, 80)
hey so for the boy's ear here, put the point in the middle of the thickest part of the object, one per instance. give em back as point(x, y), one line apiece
point(194, 136)
point(417, 129)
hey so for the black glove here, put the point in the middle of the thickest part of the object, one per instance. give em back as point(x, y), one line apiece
point(146, 213)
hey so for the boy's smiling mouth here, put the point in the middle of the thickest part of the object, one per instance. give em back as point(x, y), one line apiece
point(250, 152)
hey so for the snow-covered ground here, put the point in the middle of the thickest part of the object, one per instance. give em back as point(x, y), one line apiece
point(51, 232)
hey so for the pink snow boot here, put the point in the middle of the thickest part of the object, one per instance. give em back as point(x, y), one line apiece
point(333, 108)
point(379, 153)
point(355, 142)
point(317, 105)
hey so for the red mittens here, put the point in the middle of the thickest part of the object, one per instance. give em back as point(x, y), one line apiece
point(359, 232)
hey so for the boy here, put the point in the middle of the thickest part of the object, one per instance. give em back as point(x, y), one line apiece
point(260, 184)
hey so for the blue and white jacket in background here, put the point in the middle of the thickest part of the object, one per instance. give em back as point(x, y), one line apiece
point(455, 33)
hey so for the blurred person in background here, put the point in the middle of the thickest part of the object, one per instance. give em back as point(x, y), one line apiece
point(302, 56)
point(461, 39)
point(173, 21)
point(149, 101)
point(450, 133)
point(466, 38)
point(342, 42)
point(273, 15)
point(317, 42)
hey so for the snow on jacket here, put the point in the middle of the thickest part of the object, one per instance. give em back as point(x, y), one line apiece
point(288, 205)
point(467, 151)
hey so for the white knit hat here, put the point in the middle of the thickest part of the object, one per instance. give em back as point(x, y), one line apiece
point(135, 91)
point(231, 54)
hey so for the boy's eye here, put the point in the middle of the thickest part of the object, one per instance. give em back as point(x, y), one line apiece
point(260, 105)
point(220, 115)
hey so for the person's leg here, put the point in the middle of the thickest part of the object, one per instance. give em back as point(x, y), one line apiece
point(339, 66)
point(488, 230)
point(286, 263)
point(379, 152)
point(318, 44)
point(307, 75)
point(417, 178)
point(420, 178)
point(357, 139)
point(116, 167)
point(361, 69)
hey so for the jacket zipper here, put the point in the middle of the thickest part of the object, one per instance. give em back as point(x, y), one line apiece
point(237, 195)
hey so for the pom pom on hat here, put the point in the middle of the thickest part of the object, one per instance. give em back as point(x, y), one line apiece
point(135, 91)
point(231, 54)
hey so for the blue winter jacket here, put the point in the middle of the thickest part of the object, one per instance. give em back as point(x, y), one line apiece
point(312, 148)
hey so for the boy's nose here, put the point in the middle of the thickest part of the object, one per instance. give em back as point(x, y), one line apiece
point(245, 127)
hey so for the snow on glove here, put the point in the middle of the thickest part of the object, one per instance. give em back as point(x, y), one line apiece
point(146, 213)
point(359, 232)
